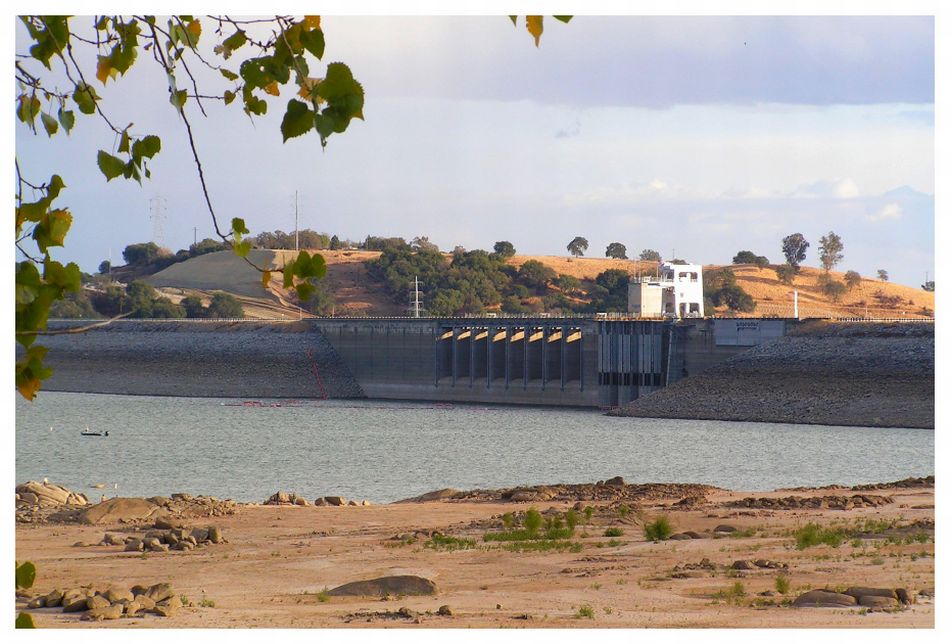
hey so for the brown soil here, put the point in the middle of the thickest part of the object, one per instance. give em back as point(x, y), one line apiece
point(278, 559)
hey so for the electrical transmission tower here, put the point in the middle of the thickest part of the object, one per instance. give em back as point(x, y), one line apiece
point(156, 213)
point(416, 300)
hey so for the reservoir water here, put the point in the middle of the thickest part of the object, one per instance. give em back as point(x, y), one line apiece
point(385, 451)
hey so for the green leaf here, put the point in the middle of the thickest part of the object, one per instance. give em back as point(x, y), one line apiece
point(297, 120)
point(110, 166)
point(227, 73)
point(304, 291)
point(514, 20)
point(265, 278)
point(25, 575)
point(147, 146)
point(124, 141)
point(67, 119)
point(30, 372)
point(52, 229)
point(313, 42)
point(232, 43)
point(238, 227)
point(24, 620)
point(241, 249)
point(229, 97)
point(564, 19)
point(54, 186)
point(85, 97)
point(177, 99)
point(28, 108)
point(49, 124)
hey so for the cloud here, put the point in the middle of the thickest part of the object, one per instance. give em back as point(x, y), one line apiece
point(890, 211)
point(834, 189)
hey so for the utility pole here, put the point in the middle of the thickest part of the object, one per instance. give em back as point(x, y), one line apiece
point(195, 229)
point(795, 305)
point(297, 246)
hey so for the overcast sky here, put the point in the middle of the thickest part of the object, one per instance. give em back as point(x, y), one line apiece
point(703, 135)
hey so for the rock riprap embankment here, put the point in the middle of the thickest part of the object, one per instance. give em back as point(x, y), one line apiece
point(613, 489)
point(108, 603)
point(857, 374)
point(831, 502)
point(292, 498)
point(220, 359)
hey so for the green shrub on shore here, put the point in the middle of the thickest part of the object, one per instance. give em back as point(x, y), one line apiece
point(658, 530)
point(613, 532)
point(813, 534)
point(448, 543)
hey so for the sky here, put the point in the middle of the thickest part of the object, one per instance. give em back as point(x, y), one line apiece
point(695, 136)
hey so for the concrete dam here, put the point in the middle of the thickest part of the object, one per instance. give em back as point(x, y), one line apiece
point(579, 362)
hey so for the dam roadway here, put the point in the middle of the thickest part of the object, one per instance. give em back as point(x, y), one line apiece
point(580, 362)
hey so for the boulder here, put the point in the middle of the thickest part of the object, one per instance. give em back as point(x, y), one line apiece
point(352, 502)
point(164, 610)
point(445, 610)
point(382, 586)
point(863, 591)
point(876, 601)
point(135, 545)
point(172, 602)
point(724, 528)
point(74, 603)
point(301, 501)
point(183, 545)
point(108, 611)
point(37, 602)
point(679, 536)
point(139, 589)
point(97, 601)
point(146, 602)
point(151, 543)
point(214, 534)
point(54, 598)
point(435, 495)
point(824, 599)
point(114, 595)
point(320, 502)
point(616, 481)
point(335, 500)
point(118, 509)
point(111, 539)
point(742, 564)
point(903, 596)
point(159, 592)
point(692, 534)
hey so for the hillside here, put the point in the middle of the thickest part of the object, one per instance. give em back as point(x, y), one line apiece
point(356, 294)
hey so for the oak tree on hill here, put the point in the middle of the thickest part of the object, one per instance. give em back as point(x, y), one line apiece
point(577, 247)
point(829, 251)
point(794, 247)
point(650, 255)
point(616, 250)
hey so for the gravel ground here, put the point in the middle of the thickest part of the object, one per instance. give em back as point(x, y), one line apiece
point(878, 375)
point(239, 359)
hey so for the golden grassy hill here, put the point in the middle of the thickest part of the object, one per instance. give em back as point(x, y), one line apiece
point(356, 294)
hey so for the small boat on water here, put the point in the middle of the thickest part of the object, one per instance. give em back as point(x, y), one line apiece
point(88, 432)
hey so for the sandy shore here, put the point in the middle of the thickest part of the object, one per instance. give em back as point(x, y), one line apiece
point(279, 559)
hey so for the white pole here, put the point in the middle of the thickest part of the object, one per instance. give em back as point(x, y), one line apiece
point(795, 292)
point(297, 245)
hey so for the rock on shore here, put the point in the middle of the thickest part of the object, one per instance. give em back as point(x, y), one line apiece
point(857, 374)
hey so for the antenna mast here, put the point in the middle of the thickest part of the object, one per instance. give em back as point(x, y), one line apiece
point(156, 206)
point(416, 303)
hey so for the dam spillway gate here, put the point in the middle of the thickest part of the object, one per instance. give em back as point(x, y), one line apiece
point(543, 361)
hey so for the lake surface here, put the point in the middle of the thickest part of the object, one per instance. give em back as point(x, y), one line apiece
point(385, 451)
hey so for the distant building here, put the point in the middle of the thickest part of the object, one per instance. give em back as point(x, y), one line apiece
point(676, 293)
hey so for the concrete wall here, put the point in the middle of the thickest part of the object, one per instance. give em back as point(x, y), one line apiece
point(470, 360)
point(537, 361)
